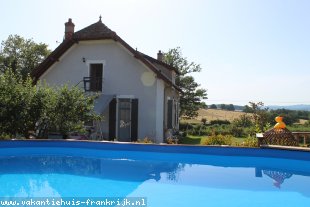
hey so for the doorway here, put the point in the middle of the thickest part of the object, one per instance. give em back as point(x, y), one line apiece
point(124, 120)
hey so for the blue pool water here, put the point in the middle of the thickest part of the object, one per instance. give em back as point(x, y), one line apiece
point(166, 177)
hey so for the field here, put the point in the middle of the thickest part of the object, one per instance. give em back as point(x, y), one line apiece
point(215, 114)
point(219, 114)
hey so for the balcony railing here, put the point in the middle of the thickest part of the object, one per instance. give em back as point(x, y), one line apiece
point(92, 84)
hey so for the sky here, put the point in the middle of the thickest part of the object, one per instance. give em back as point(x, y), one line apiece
point(249, 50)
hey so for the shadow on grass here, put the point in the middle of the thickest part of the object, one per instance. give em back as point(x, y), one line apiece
point(191, 140)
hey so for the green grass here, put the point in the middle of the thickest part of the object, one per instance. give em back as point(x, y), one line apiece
point(197, 140)
point(189, 139)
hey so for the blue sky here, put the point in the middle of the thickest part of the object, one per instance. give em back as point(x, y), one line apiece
point(250, 50)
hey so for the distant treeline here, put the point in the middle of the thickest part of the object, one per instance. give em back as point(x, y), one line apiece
point(290, 116)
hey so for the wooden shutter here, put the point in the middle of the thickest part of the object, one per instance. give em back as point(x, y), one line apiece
point(112, 119)
point(134, 120)
point(169, 114)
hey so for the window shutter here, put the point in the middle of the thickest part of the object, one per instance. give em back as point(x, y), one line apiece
point(169, 114)
point(112, 119)
point(134, 119)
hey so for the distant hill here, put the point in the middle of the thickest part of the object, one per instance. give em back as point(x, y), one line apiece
point(300, 107)
point(216, 114)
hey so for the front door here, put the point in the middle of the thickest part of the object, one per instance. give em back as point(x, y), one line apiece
point(124, 120)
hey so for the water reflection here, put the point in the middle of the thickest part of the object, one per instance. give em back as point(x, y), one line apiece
point(59, 176)
point(277, 176)
point(102, 176)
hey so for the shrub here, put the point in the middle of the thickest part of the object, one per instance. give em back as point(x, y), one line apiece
point(250, 142)
point(243, 121)
point(26, 108)
point(219, 122)
point(172, 140)
point(237, 131)
point(219, 140)
point(204, 121)
point(186, 126)
point(146, 140)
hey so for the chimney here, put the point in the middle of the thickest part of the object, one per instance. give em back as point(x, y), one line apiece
point(69, 29)
point(160, 56)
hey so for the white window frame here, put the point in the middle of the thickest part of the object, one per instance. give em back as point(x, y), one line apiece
point(89, 62)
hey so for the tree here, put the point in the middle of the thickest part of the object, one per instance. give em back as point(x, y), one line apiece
point(213, 106)
point(21, 104)
point(243, 121)
point(25, 107)
point(21, 55)
point(71, 108)
point(247, 109)
point(260, 116)
point(204, 121)
point(223, 106)
point(192, 95)
point(230, 107)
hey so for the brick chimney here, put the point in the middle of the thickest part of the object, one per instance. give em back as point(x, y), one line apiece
point(160, 56)
point(69, 29)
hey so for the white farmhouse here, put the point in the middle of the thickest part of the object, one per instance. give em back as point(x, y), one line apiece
point(138, 95)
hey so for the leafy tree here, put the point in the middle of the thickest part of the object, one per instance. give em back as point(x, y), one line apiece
point(230, 107)
point(21, 55)
point(247, 109)
point(213, 106)
point(204, 121)
point(21, 104)
point(25, 107)
point(203, 105)
point(223, 106)
point(71, 109)
point(243, 121)
point(190, 100)
point(260, 116)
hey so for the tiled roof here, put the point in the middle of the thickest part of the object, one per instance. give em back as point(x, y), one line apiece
point(160, 64)
point(99, 31)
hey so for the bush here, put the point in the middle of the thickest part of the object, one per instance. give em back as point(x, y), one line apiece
point(172, 140)
point(219, 140)
point(250, 142)
point(26, 108)
point(237, 131)
point(243, 121)
point(219, 122)
point(204, 121)
point(146, 140)
point(186, 126)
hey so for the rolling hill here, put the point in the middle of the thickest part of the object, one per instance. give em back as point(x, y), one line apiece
point(216, 114)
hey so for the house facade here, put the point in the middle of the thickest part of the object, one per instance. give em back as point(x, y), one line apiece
point(138, 96)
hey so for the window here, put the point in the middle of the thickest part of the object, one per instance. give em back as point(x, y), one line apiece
point(94, 81)
point(172, 114)
point(96, 73)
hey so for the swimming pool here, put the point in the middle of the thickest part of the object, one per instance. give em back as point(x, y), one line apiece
point(162, 175)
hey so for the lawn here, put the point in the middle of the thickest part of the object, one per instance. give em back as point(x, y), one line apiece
point(196, 140)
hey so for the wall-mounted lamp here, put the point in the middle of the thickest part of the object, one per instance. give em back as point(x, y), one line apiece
point(83, 59)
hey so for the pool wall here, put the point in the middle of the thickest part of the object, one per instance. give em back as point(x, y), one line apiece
point(187, 149)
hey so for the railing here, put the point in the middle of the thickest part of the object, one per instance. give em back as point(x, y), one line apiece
point(92, 83)
point(302, 137)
